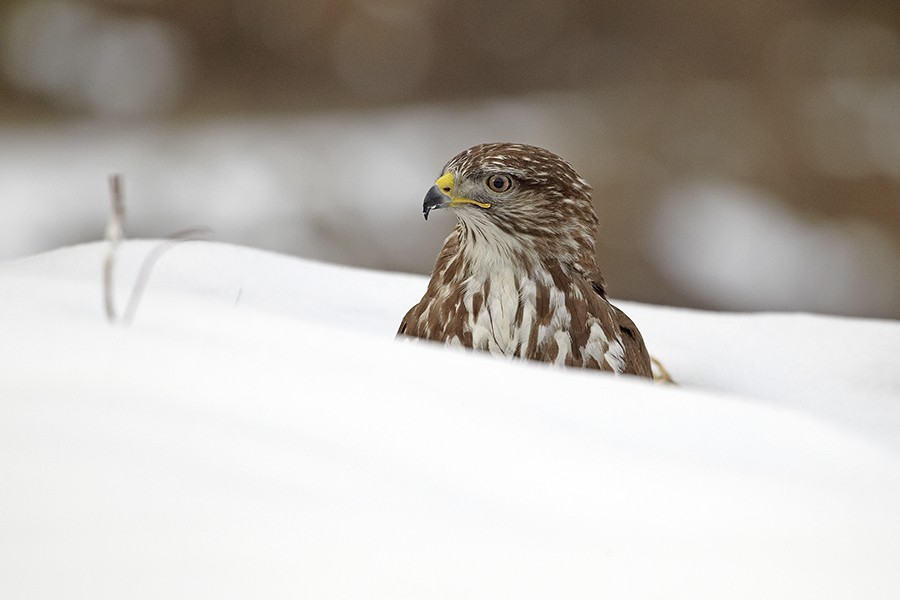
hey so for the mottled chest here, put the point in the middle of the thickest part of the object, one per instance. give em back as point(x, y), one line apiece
point(527, 315)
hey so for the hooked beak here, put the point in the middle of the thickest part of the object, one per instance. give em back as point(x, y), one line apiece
point(441, 196)
point(435, 199)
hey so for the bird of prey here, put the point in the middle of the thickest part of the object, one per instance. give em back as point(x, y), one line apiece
point(517, 275)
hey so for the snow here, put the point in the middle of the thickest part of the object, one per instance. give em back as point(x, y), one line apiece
point(258, 432)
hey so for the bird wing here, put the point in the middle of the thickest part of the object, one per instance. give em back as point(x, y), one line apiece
point(637, 359)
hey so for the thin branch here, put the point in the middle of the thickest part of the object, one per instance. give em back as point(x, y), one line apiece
point(197, 233)
point(660, 374)
point(115, 232)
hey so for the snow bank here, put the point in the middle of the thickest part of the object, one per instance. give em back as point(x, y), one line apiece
point(257, 432)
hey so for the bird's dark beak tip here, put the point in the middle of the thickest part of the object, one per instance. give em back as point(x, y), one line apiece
point(435, 198)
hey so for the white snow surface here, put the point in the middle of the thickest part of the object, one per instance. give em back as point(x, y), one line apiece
point(257, 432)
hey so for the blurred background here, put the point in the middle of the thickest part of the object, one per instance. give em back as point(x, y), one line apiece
point(745, 154)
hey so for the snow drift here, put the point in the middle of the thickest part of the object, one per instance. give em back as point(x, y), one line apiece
point(258, 432)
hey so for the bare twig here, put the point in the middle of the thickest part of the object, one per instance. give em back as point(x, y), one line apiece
point(660, 374)
point(115, 232)
point(197, 233)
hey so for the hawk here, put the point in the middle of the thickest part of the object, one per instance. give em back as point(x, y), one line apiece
point(517, 276)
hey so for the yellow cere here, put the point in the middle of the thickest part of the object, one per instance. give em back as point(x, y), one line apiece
point(445, 183)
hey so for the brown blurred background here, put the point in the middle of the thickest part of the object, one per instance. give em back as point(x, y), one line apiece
point(745, 155)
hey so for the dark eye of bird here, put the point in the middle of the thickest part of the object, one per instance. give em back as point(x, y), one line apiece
point(498, 183)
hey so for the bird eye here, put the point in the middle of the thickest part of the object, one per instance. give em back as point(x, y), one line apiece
point(498, 183)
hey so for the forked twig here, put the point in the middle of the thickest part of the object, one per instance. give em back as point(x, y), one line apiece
point(660, 374)
point(115, 234)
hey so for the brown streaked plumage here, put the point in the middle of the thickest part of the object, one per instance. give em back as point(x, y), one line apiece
point(517, 275)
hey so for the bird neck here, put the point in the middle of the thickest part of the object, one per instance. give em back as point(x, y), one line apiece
point(485, 250)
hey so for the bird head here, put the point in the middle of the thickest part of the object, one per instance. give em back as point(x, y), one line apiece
point(518, 192)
